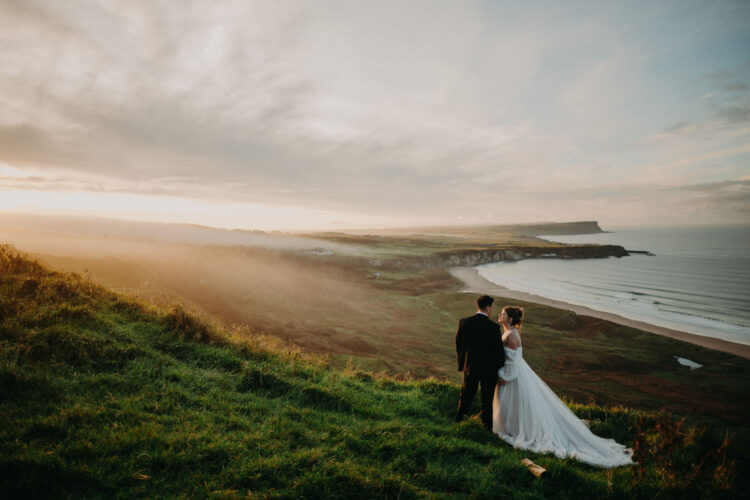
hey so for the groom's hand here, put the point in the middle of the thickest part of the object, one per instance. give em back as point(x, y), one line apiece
point(501, 381)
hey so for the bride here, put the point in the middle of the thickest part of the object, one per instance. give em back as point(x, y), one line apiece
point(527, 414)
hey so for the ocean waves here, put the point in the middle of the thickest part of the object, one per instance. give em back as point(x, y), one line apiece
point(697, 282)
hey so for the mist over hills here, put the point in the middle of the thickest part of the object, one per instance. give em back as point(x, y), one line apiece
point(72, 226)
point(202, 235)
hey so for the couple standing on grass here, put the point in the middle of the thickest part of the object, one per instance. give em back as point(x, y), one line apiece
point(516, 404)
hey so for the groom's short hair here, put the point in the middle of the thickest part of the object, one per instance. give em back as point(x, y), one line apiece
point(484, 301)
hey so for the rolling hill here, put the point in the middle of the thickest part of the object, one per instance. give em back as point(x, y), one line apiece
point(102, 395)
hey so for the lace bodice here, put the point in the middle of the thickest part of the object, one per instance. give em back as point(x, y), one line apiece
point(509, 371)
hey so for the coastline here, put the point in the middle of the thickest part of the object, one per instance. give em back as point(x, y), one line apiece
point(475, 283)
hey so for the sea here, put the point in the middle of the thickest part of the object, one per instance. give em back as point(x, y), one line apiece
point(696, 281)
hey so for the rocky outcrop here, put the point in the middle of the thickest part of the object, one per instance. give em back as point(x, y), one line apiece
point(485, 256)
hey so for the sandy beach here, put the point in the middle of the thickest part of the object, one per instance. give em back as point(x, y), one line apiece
point(475, 283)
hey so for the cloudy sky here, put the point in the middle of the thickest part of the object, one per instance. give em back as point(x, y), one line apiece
point(288, 115)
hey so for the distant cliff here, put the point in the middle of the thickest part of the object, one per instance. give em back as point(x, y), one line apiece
point(582, 227)
point(469, 257)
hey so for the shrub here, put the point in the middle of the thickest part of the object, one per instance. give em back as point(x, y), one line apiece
point(188, 326)
point(680, 455)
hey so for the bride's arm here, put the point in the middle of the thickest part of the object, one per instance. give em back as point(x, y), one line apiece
point(512, 341)
point(509, 371)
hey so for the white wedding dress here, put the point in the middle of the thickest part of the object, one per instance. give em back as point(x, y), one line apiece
point(527, 414)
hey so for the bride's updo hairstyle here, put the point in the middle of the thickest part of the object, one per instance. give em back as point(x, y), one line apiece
point(515, 314)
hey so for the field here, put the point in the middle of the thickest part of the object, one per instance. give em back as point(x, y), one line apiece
point(103, 395)
point(382, 307)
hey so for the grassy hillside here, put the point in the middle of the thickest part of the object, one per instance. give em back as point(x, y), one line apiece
point(404, 322)
point(104, 396)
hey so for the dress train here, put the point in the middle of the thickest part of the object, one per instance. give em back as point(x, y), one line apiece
point(528, 414)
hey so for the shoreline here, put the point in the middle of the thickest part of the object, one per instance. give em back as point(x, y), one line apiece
point(475, 283)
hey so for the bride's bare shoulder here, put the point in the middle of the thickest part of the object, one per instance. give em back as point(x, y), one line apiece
point(512, 340)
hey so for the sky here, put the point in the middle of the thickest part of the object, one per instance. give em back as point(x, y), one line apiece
point(336, 114)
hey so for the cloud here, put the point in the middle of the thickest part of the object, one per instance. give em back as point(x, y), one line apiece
point(265, 123)
point(731, 196)
point(738, 87)
point(730, 186)
point(389, 108)
point(735, 114)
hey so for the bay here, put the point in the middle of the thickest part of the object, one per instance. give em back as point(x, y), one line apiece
point(697, 280)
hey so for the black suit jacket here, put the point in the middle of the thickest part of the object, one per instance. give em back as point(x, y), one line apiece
point(479, 346)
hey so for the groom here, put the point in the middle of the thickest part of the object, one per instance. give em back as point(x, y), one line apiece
point(479, 347)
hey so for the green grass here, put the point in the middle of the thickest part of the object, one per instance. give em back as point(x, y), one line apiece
point(103, 396)
point(409, 245)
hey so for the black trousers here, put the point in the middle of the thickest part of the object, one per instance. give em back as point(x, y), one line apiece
point(471, 382)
